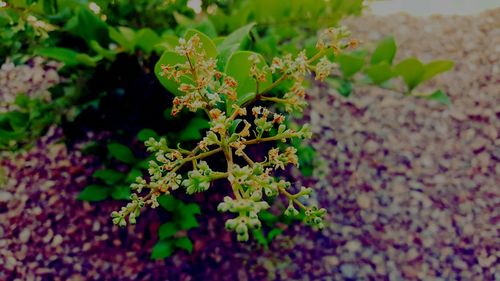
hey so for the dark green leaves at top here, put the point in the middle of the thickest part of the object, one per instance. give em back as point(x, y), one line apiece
point(385, 51)
point(121, 153)
point(238, 67)
point(232, 43)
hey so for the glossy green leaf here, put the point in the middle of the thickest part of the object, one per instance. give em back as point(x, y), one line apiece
point(379, 73)
point(121, 152)
point(436, 67)
point(171, 58)
point(238, 67)
point(184, 243)
point(109, 176)
point(167, 230)
point(121, 192)
point(207, 45)
point(349, 64)
point(232, 43)
point(94, 193)
point(162, 249)
point(385, 51)
point(411, 70)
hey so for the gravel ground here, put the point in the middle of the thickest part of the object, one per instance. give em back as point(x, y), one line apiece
point(412, 187)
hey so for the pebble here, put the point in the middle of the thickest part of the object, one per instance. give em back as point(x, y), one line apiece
point(5, 196)
point(24, 236)
point(57, 240)
point(353, 246)
point(363, 201)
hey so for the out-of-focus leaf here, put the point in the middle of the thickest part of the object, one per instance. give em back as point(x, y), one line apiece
point(121, 152)
point(162, 249)
point(192, 130)
point(232, 43)
point(94, 193)
point(109, 176)
point(411, 70)
point(385, 51)
point(349, 64)
point(184, 243)
point(379, 73)
point(167, 230)
point(121, 192)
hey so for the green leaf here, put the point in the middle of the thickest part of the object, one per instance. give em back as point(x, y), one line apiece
point(232, 43)
point(162, 249)
point(188, 221)
point(171, 58)
point(167, 230)
point(67, 56)
point(238, 67)
point(436, 67)
point(146, 39)
point(88, 26)
point(168, 202)
point(379, 73)
point(124, 36)
point(132, 175)
point(207, 45)
point(94, 193)
point(184, 243)
point(344, 88)
point(439, 96)
point(411, 70)
point(121, 152)
point(385, 51)
point(349, 64)
point(108, 54)
point(192, 130)
point(109, 176)
point(18, 120)
point(191, 209)
point(121, 192)
point(145, 134)
point(167, 43)
point(258, 234)
point(273, 233)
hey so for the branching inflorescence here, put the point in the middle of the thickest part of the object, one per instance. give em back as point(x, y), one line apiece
point(234, 126)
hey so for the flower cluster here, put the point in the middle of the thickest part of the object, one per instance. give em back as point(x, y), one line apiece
point(232, 131)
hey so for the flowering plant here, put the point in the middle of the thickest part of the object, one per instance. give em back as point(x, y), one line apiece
point(190, 71)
